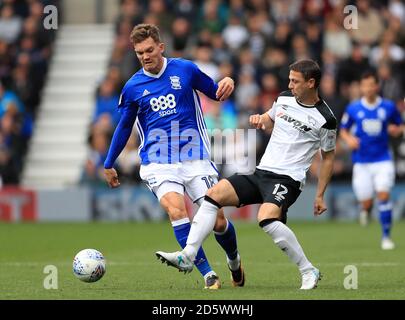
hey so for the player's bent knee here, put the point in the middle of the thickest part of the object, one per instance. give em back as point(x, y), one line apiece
point(223, 193)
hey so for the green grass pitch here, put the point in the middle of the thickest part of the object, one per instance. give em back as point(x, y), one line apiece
point(133, 272)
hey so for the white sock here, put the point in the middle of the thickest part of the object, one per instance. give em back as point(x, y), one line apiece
point(233, 264)
point(285, 239)
point(208, 274)
point(202, 225)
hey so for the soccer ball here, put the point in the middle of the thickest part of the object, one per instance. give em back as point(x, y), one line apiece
point(89, 265)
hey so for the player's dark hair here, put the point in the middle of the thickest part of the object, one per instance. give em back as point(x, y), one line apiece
point(143, 31)
point(309, 69)
point(369, 74)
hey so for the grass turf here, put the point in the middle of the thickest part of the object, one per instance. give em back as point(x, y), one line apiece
point(133, 272)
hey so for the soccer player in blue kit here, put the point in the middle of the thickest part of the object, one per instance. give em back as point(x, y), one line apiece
point(162, 100)
point(365, 127)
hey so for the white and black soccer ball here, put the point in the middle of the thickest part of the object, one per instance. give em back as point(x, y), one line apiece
point(89, 265)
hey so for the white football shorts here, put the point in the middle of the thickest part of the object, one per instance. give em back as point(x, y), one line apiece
point(194, 177)
point(372, 177)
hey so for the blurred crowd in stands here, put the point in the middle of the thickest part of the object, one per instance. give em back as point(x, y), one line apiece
point(253, 41)
point(25, 50)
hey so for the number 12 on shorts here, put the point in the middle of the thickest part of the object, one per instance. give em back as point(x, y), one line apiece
point(279, 195)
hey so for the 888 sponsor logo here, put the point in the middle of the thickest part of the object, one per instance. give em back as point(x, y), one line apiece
point(165, 104)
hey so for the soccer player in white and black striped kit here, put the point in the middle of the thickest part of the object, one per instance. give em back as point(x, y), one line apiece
point(301, 123)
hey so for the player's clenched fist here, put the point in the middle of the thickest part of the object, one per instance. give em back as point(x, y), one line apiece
point(256, 121)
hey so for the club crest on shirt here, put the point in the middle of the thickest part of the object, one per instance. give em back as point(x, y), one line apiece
point(311, 121)
point(175, 81)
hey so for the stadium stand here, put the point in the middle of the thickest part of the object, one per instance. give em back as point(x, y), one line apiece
point(25, 50)
point(254, 42)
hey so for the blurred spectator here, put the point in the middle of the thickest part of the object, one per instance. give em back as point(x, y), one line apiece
point(254, 42)
point(282, 36)
point(397, 9)
point(389, 85)
point(285, 10)
point(314, 35)
point(97, 153)
point(124, 58)
point(237, 8)
point(221, 116)
point(129, 161)
point(269, 90)
point(351, 68)
point(336, 102)
point(259, 29)
point(329, 63)
point(186, 9)
point(158, 8)
point(246, 89)
point(25, 51)
point(130, 10)
point(387, 50)
point(299, 48)
point(203, 59)
point(12, 141)
point(114, 75)
point(370, 25)
point(212, 16)
point(9, 102)
point(10, 24)
point(256, 6)
point(315, 10)
point(235, 33)
point(106, 104)
point(180, 35)
point(220, 52)
point(275, 61)
point(336, 39)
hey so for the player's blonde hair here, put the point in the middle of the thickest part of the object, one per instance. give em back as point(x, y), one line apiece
point(143, 31)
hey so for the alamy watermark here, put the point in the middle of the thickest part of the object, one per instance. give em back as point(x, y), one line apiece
point(51, 280)
point(51, 18)
point(235, 147)
point(351, 20)
point(351, 281)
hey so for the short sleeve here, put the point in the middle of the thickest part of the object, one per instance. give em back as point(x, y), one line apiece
point(328, 139)
point(272, 111)
point(126, 100)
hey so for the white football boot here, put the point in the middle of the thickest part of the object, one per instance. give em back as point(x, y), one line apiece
point(310, 279)
point(176, 259)
point(387, 244)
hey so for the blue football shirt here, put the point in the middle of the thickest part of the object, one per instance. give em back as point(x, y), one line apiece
point(166, 110)
point(369, 124)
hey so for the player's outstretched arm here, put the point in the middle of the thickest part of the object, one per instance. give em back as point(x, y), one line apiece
point(325, 173)
point(225, 88)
